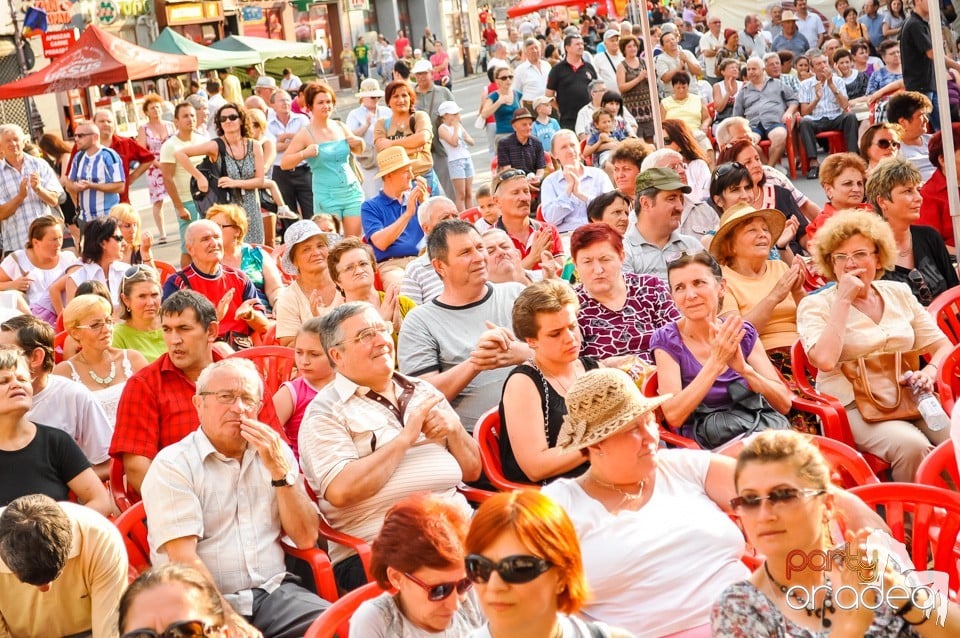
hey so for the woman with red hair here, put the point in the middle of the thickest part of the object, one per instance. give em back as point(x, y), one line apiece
point(524, 558)
point(419, 555)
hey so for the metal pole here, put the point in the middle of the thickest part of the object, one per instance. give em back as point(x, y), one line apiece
point(943, 107)
point(651, 76)
point(19, 42)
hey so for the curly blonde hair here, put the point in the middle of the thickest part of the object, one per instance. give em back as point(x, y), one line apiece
point(845, 224)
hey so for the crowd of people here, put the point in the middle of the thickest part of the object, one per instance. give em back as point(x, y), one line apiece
point(421, 304)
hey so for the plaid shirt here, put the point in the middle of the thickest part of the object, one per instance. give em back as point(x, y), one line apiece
point(15, 227)
point(156, 410)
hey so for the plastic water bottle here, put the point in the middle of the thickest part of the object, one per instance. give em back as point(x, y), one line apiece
point(930, 408)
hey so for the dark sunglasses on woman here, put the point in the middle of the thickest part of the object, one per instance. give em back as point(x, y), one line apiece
point(182, 629)
point(515, 570)
point(441, 591)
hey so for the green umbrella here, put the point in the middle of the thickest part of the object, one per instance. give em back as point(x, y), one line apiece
point(169, 41)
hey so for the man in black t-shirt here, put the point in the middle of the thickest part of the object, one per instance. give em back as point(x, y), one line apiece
point(917, 48)
point(568, 81)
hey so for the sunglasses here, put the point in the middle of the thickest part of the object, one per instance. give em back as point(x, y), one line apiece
point(182, 629)
point(505, 77)
point(924, 293)
point(229, 118)
point(133, 271)
point(441, 591)
point(506, 176)
point(118, 237)
point(725, 169)
point(752, 502)
point(885, 144)
point(515, 570)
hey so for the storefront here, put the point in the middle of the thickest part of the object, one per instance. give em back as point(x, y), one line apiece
point(202, 22)
point(320, 23)
point(131, 20)
point(264, 19)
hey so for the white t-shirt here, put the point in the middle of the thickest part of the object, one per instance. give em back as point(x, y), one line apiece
point(17, 264)
point(658, 570)
point(460, 151)
point(92, 270)
point(66, 405)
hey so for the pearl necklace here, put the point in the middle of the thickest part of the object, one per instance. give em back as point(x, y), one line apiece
point(97, 378)
point(627, 496)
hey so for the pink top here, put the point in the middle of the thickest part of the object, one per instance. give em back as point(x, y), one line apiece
point(303, 394)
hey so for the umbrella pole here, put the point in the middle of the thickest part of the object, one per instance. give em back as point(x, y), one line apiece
point(20, 42)
point(946, 126)
point(133, 103)
point(651, 77)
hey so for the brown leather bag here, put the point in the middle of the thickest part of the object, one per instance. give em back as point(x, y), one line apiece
point(876, 386)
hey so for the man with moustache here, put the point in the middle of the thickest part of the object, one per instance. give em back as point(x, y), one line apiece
point(532, 238)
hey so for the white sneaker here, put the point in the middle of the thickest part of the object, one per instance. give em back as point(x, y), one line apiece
point(284, 212)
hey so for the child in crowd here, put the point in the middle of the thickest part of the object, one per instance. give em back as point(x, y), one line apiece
point(293, 397)
point(328, 223)
point(455, 141)
point(545, 125)
point(603, 141)
point(489, 210)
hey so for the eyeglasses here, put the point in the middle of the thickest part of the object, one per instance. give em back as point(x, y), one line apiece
point(920, 284)
point(840, 259)
point(182, 629)
point(441, 591)
point(229, 118)
point(355, 267)
point(725, 169)
point(783, 495)
point(79, 135)
point(367, 335)
point(507, 176)
point(97, 326)
point(230, 398)
point(515, 570)
point(884, 143)
point(505, 77)
point(226, 226)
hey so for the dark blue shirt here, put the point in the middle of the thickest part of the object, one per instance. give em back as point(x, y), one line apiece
point(381, 211)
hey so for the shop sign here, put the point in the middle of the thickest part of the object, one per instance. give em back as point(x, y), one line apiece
point(59, 12)
point(184, 12)
point(107, 12)
point(57, 42)
point(252, 14)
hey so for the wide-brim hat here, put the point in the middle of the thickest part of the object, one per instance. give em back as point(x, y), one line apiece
point(370, 88)
point(788, 16)
point(599, 404)
point(297, 233)
point(521, 114)
point(737, 215)
point(392, 159)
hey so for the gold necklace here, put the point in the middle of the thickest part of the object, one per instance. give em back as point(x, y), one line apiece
point(627, 496)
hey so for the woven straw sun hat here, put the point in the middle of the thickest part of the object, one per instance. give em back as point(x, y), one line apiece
point(600, 404)
point(736, 216)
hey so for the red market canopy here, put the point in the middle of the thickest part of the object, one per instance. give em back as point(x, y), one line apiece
point(531, 6)
point(98, 58)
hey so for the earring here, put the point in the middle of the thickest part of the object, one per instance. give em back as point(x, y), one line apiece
point(127, 308)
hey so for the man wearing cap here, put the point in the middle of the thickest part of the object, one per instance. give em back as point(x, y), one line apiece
point(654, 239)
point(264, 89)
point(532, 238)
point(751, 38)
point(530, 76)
point(421, 283)
point(608, 61)
point(389, 221)
point(790, 38)
point(769, 105)
point(360, 121)
point(565, 193)
point(429, 98)
point(520, 150)
point(296, 184)
point(710, 44)
point(698, 218)
point(568, 80)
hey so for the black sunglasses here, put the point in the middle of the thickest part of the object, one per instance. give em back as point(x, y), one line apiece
point(182, 629)
point(118, 237)
point(725, 169)
point(667, 140)
point(441, 591)
point(229, 118)
point(923, 290)
point(885, 143)
point(752, 502)
point(515, 570)
point(507, 175)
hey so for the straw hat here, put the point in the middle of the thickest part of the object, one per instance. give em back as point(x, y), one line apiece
point(738, 215)
point(297, 233)
point(370, 88)
point(788, 16)
point(599, 404)
point(392, 159)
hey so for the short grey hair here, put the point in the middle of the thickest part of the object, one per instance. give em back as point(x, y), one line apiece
point(654, 158)
point(531, 42)
point(722, 133)
point(102, 112)
point(426, 208)
point(594, 84)
point(192, 229)
point(770, 55)
point(243, 367)
point(331, 333)
point(6, 129)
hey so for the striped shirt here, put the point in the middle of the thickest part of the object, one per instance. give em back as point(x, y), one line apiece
point(346, 422)
point(103, 167)
point(15, 227)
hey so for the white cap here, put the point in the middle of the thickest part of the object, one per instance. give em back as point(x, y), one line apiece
point(422, 66)
point(448, 108)
point(611, 33)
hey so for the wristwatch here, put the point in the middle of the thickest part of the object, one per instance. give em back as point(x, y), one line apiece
point(288, 480)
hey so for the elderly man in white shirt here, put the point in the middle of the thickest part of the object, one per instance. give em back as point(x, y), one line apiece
point(530, 76)
point(28, 188)
point(823, 104)
point(606, 63)
point(565, 193)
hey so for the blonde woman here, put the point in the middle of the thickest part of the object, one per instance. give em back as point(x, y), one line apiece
point(136, 247)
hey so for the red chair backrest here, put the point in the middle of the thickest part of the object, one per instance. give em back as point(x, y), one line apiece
point(939, 468)
point(133, 528)
point(948, 379)
point(58, 340)
point(164, 270)
point(335, 621)
point(650, 388)
point(275, 365)
point(470, 215)
point(124, 496)
point(932, 516)
point(946, 310)
point(486, 433)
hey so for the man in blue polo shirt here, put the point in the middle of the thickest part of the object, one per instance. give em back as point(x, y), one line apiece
point(96, 175)
point(390, 219)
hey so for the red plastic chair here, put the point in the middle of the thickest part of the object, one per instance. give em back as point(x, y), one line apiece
point(948, 380)
point(124, 496)
point(932, 516)
point(276, 365)
point(58, 340)
point(470, 215)
point(835, 144)
point(847, 466)
point(59, 327)
point(668, 436)
point(487, 435)
point(946, 310)
point(790, 152)
point(834, 428)
point(335, 621)
point(164, 270)
point(360, 546)
point(939, 468)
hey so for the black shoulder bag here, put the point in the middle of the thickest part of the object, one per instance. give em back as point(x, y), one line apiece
point(212, 171)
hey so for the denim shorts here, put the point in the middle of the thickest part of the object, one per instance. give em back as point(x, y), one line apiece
point(461, 168)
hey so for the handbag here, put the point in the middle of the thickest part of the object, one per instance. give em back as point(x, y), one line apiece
point(212, 171)
point(877, 392)
point(750, 412)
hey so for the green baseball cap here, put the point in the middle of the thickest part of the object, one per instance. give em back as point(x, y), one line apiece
point(663, 179)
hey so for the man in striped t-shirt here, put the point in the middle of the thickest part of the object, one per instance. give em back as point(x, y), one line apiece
point(96, 175)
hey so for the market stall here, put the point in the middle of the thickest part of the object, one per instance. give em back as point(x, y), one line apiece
point(169, 41)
